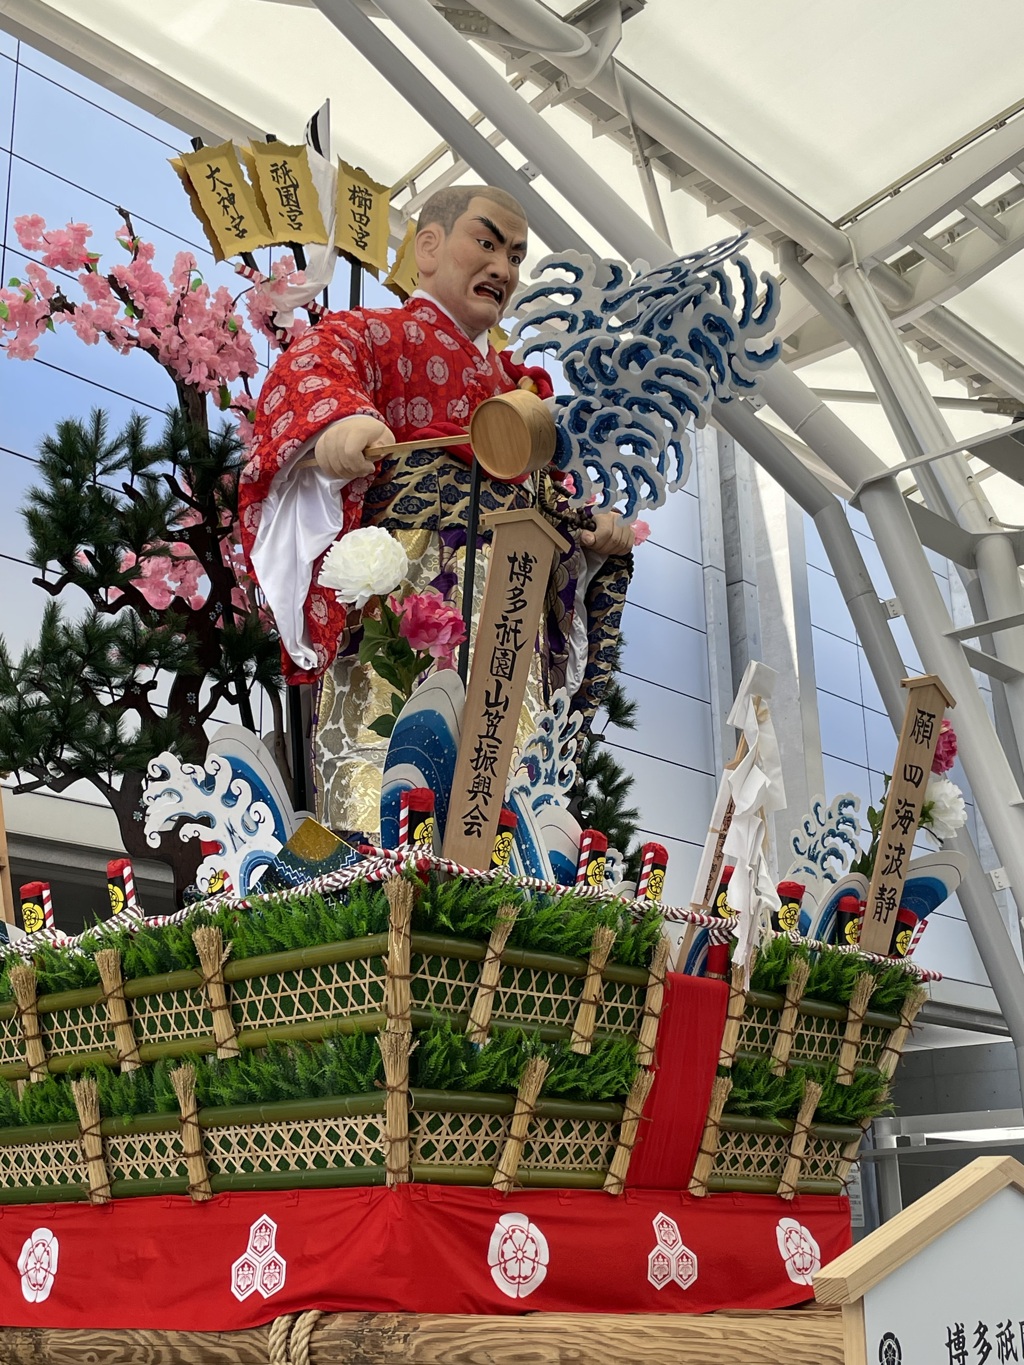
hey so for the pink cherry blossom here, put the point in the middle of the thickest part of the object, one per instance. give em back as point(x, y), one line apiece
point(641, 531)
point(29, 229)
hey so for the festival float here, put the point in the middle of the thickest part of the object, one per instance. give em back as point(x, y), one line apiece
point(390, 1093)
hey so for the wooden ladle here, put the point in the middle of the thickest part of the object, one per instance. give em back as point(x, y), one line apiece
point(511, 434)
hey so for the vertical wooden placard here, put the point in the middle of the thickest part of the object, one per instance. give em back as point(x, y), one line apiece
point(919, 736)
point(522, 549)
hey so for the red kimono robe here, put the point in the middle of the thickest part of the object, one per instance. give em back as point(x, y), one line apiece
point(410, 367)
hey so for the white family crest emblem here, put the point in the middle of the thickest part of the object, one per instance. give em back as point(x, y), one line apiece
point(670, 1260)
point(799, 1251)
point(260, 1267)
point(38, 1265)
point(518, 1255)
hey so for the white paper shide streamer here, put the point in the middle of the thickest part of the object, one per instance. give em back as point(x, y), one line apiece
point(756, 788)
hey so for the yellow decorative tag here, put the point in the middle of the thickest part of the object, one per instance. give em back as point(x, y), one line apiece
point(362, 229)
point(31, 916)
point(404, 275)
point(228, 208)
point(284, 187)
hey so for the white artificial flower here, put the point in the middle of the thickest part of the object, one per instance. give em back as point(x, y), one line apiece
point(944, 803)
point(366, 563)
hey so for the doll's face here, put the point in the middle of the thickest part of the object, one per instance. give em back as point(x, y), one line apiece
point(473, 269)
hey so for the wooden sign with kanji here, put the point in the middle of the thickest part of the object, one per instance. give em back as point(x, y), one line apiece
point(904, 800)
point(522, 549)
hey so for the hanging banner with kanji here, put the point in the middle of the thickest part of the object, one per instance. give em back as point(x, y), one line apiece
point(404, 275)
point(904, 801)
point(362, 229)
point(223, 200)
point(284, 187)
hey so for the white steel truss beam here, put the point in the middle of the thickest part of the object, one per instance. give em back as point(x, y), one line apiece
point(925, 202)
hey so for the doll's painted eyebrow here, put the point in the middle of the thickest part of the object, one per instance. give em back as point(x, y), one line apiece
point(502, 239)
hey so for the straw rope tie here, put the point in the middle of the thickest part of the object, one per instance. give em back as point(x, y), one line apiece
point(298, 1346)
point(277, 1339)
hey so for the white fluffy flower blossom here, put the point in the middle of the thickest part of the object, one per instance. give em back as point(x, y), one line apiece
point(366, 563)
point(944, 809)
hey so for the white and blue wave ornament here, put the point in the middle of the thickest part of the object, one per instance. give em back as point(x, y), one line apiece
point(547, 838)
point(236, 800)
point(646, 353)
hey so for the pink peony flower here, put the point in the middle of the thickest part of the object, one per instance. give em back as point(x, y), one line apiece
point(640, 532)
point(431, 624)
point(945, 750)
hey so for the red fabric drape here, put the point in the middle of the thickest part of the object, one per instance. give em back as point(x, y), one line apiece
point(689, 1039)
point(242, 1259)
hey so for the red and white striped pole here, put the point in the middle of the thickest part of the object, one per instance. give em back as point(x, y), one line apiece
point(121, 886)
point(653, 866)
point(36, 906)
point(416, 818)
point(590, 866)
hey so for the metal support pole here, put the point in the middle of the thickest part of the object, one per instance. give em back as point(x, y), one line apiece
point(944, 326)
point(953, 474)
point(457, 131)
point(995, 947)
point(521, 124)
point(995, 559)
point(983, 758)
point(890, 1195)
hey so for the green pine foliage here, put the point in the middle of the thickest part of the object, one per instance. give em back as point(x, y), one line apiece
point(47, 1101)
point(278, 923)
point(445, 1060)
point(79, 702)
point(605, 1074)
point(832, 976)
point(758, 1093)
point(463, 909)
point(346, 1064)
point(601, 794)
point(865, 1097)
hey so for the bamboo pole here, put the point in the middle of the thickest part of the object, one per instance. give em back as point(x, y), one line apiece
point(897, 1040)
point(850, 1050)
point(6, 889)
point(397, 988)
point(798, 1145)
point(530, 1083)
point(395, 1048)
point(787, 1020)
point(709, 1139)
point(108, 961)
point(586, 1014)
point(653, 1003)
point(183, 1078)
point(631, 1116)
point(490, 974)
point(87, 1102)
point(733, 1016)
point(212, 956)
point(23, 983)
